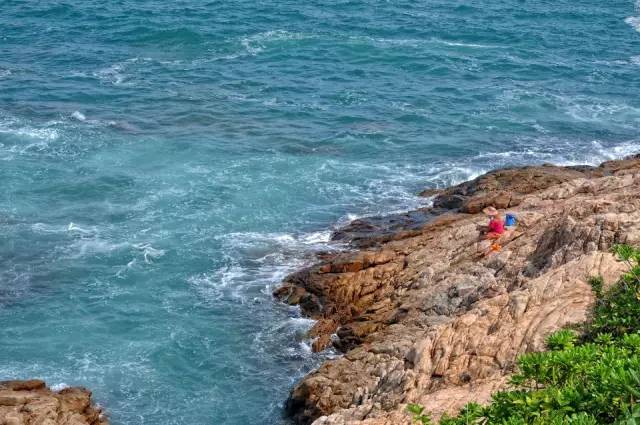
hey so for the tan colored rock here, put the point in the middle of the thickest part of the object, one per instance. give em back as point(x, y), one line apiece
point(32, 403)
point(422, 317)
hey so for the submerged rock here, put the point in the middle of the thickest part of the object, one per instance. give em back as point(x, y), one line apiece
point(31, 402)
point(423, 318)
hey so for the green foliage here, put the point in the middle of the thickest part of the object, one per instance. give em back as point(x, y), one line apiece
point(617, 311)
point(418, 417)
point(562, 340)
point(579, 381)
point(597, 283)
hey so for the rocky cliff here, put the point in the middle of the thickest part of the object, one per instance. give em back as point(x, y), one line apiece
point(423, 317)
point(32, 403)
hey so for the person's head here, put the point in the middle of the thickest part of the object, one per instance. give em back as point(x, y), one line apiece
point(491, 212)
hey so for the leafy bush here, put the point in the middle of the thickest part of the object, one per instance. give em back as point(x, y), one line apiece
point(587, 381)
point(562, 340)
point(617, 311)
point(416, 410)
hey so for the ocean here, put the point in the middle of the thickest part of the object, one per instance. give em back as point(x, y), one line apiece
point(163, 165)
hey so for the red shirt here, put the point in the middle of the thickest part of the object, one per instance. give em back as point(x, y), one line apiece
point(496, 226)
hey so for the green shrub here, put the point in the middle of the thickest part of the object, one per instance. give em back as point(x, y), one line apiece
point(617, 311)
point(416, 410)
point(597, 283)
point(561, 340)
point(595, 380)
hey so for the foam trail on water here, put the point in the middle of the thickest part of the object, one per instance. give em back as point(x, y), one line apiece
point(72, 227)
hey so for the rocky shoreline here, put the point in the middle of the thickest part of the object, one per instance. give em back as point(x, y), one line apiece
point(422, 318)
point(32, 402)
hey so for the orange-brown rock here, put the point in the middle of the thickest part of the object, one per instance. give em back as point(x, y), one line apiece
point(32, 403)
point(422, 317)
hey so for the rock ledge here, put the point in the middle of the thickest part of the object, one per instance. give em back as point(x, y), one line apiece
point(33, 403)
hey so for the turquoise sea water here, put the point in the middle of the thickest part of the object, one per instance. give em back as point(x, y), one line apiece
point(164, 164)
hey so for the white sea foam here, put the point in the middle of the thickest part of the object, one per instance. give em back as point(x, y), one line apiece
point(47, 228)
point(257, 43)
point(634, 21)
point(256, 262)
point(78, 116)
point(468, 45)
point(92, 246)
point(553, 150)
point(597, 111)
point(38, 137)
point(59, 387)
point(123, 270)
point(382, 42)
point(112, 74)
point(119, 73)
point(45, 134)
point(604, 153)
point(316, 237)
point(149, 253)
point(72, 227)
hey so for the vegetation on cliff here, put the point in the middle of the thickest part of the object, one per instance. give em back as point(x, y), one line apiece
point(587, 377)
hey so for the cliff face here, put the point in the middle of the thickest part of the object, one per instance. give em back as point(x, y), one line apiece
point(32, 403)
point(424, 318)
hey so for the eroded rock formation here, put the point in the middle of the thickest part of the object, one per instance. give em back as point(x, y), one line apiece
point(422, 317)
point(32, 403)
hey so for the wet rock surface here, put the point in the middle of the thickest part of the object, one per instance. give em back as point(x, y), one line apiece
point(422, 317)
point(33, 403)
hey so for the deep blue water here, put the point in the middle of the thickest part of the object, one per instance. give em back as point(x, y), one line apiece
point(164, 164)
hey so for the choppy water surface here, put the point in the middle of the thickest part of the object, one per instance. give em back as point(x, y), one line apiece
point(164, 164)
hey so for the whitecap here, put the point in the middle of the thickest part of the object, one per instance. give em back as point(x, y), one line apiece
point(634, 21)
point(78, 116)
point(112, 74)
point(257, 43)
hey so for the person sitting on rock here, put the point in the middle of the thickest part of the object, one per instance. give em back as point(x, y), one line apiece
point(496, 224)
point(490, 234)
